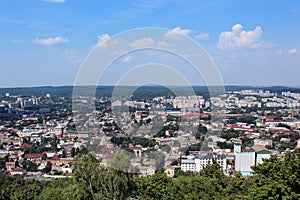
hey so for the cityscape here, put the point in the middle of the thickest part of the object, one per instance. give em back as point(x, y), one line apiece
point(149, 100)
point(41, 137)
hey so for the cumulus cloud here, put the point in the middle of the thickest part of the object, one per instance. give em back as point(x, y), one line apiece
point(51, 40)
point(238, 37)
point(202, 36)
point(162, 44)
point(55, 1)
point(102, 38)
point(293, 51)
point(143, 43)
point(174, 33)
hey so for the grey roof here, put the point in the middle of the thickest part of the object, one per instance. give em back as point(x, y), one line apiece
point(187, 161)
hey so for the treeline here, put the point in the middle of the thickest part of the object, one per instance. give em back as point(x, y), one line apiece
point(276, 178)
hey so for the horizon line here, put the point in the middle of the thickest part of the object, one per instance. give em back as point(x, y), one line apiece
point(108, 85)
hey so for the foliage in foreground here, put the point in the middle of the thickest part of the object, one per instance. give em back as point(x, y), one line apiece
point(274, 179)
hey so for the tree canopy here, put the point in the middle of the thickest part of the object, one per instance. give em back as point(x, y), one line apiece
point(275, 178)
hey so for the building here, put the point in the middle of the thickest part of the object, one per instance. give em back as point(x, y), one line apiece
point(261, 155)
point(298, 143)
point(196, 163)
point(203, 161)
point(261, 142)
point(244, 160)
point(188, 164)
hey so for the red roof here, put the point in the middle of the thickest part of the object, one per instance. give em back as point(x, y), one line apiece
point(55, 158)
point(136, 148)
point(26, 146)
point(36, 155)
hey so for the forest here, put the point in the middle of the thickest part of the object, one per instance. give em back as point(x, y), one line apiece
point(276, 178)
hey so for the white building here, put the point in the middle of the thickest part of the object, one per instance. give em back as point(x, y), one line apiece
point(244, 160)
point(203, 161)
point(188, 164)
point(198, 162)
point(261, 155)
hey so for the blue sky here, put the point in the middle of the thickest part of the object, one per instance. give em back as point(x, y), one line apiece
point(43, 42)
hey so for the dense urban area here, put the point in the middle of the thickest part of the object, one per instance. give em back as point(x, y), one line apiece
point(243, 144)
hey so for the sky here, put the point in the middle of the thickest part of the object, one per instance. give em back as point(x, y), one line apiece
point(45, 42)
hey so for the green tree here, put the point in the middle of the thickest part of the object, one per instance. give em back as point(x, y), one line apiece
point(228, 134)
point(96, 181)
point(154, 187)
point(73, 152)
point(29, 166)
point(120, 161)
point(47, 168)
point(27, 192)
point(277, 178)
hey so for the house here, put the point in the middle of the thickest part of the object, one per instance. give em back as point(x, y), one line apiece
point(35, 158)
point(9, 166)
point(18, 171)
point(262, 142)
point(3, 153)
point(54, 160)
point(147, 171)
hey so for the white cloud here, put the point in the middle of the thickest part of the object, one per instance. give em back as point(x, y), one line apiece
point(126, 59)
point(240, 38)
point(202, 36)
point(143, 43)
point(69, 54)
point(162, 44)
point(279, 52)
point(102, 38)
point(175, 32)
point(262, 44)
point(72, 56)
point(293, 51)
point(17, 41)
point(55, 1)
point(51, 40)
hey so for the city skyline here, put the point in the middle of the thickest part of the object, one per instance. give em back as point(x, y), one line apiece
point(45, 42)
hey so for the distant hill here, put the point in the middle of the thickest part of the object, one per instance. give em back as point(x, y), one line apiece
point(142, 92)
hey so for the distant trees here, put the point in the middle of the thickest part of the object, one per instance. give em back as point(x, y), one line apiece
point(202, 129)
point(47, 168)
point(228, 134)
point(29, 166)
point(125, 141)
point(224, 145)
